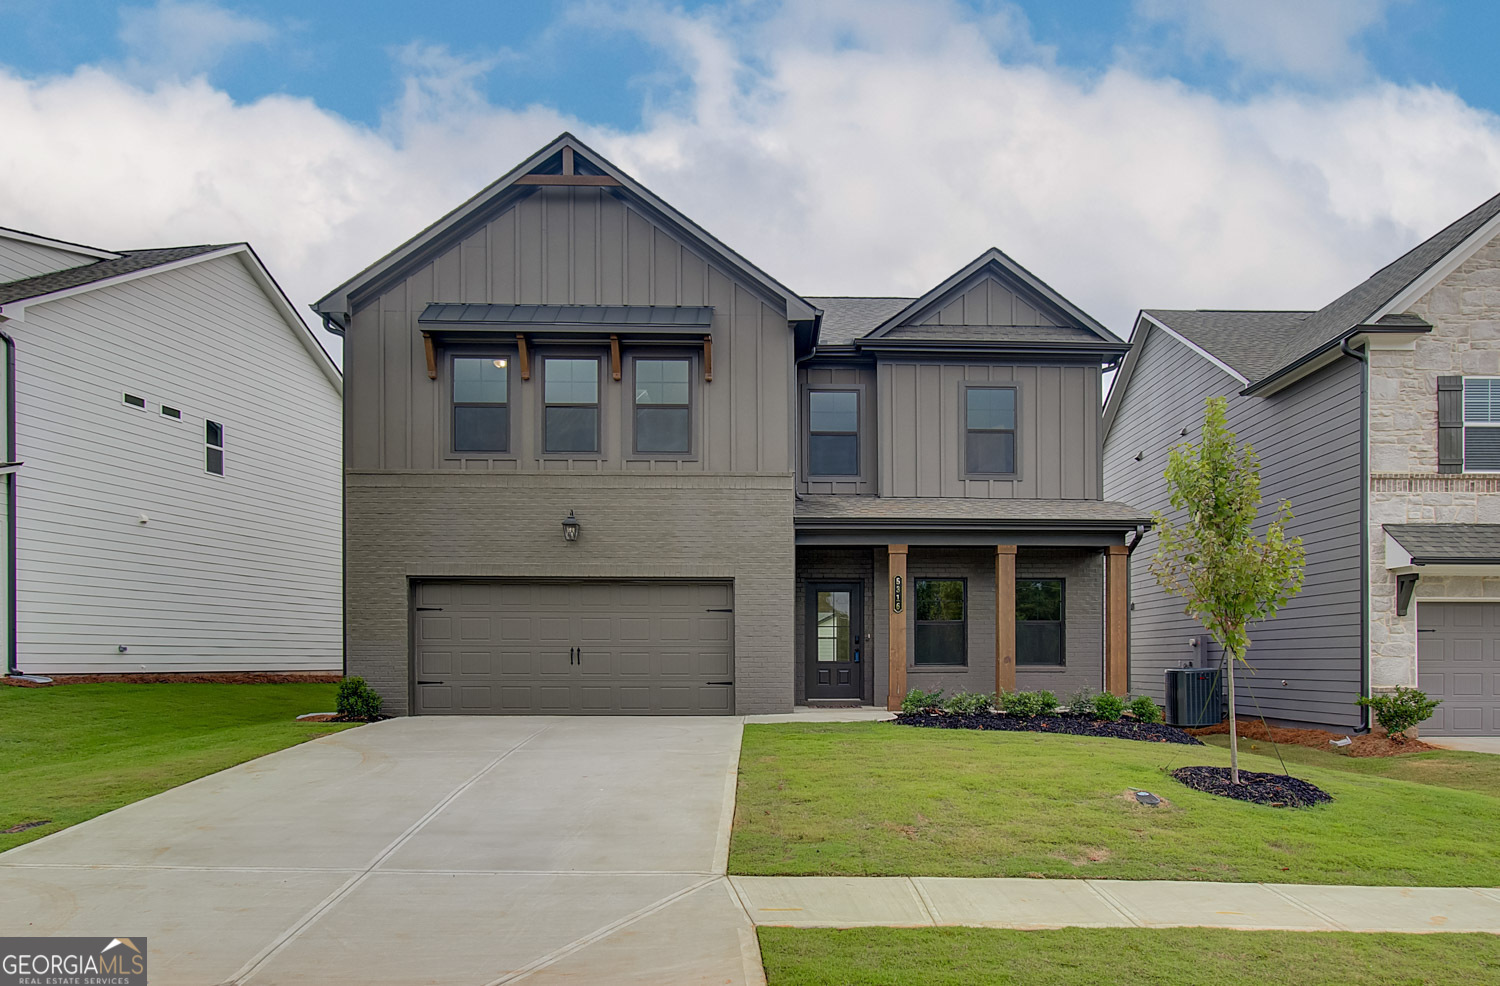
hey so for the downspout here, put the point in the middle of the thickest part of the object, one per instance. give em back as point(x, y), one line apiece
point(1364, 527)
point(11, 488)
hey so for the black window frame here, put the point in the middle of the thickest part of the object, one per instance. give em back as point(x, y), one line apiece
point(543, 360)
point(857, 433)
point(1061, 622)
point(454, 404)
point(213, 455)
point(916, 594)
point(1014, 430)
point(689, 408)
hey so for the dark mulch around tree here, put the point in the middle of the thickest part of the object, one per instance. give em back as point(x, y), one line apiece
point(1275, 790)
point(1064, 723)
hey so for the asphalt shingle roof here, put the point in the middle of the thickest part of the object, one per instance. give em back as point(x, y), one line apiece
point(932, 508)
point(73, 277)
point(1437, 544)
point(846, 319)
point(1247, 341)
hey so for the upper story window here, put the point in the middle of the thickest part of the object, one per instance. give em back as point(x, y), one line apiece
point(1039, 622)
point(213, 440)
point(663, 418)
point(989, 431)
point(833, 432)
point(481, 404)
point(1482, 424)
point(570, 395)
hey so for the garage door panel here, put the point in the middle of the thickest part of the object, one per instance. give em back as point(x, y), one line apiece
point(595, 648)
point(1458, 662)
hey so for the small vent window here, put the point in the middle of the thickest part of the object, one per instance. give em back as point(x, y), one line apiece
point(213, 437)
point(170, 412)
point(135, 401)
point(1482, 424)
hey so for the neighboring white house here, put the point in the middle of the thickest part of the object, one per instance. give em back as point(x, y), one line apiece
point(172, 458)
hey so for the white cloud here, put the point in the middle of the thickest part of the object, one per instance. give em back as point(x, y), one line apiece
point(1314, 39)
point(869, 148)
point(182, 38)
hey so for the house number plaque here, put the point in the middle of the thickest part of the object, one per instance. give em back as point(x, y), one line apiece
point(897, 585)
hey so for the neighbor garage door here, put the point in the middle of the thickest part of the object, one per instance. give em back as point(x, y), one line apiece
point(596, 647)
point(1458, 661)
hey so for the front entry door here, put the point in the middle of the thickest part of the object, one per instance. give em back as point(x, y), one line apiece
point(835, 631)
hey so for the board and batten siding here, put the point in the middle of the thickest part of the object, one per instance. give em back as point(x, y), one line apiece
point(1309, 439)
point(920, 407)
point(233, 572)
point(19, 259)
point(582, 246)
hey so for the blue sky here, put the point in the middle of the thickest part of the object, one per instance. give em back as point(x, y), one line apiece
point(1138, 153)
point(347, 54)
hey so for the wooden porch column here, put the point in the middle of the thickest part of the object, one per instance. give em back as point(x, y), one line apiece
point(1005, 618)
point(1117, 619)
point(898, 597)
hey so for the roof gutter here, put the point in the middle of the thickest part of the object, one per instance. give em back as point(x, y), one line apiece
point(1338, 342)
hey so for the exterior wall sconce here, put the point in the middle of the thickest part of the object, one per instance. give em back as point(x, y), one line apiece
point(571, 527)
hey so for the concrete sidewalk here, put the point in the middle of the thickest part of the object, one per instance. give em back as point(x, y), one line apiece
point(852, 902)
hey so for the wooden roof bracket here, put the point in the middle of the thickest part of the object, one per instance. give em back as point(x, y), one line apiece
point(708, 359)
point(431, 355)
point(525, 357)
point(614, 356)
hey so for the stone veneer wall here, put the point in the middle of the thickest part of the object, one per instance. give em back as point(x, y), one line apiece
point(1405, 487)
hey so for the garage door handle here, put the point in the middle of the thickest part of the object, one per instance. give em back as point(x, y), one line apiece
point(718, 611)
point(718, 682)
point(429, 609)
point(421, 682)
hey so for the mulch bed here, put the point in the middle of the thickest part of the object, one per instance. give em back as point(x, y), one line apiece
point(1262, 789)
point(335, 717)
point(1368, 745)
point(1064, 723)
point(202, 678)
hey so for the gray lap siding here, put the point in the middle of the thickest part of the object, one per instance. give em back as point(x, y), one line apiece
point(404, 527)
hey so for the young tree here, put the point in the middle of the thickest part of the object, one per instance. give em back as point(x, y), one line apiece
point(1213, 559)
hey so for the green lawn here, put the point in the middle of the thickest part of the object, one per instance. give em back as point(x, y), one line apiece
point(1457, 769)
point(871, 798)
point(71, 752)
point(1142, 957)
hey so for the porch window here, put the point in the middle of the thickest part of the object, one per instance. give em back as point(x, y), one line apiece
point(1039, 622)
point(1481, 424)
point(942, 627)
point(990, 431)
point(481, 404)
point(570, 389)
point(833, 432)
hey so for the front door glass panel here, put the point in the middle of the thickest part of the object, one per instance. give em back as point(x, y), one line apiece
point(833, 626)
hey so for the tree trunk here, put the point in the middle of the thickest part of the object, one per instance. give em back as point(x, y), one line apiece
point(1234, 744)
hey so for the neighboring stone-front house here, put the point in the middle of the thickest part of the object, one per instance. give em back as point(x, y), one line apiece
point(1378, 416)
point(598, 462)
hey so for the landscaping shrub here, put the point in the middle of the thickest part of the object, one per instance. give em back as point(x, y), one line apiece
point(968, 703)
point(357, 700)
point(1144, 708)
point(1401, 711)
point(1108, 707)
point(918, 701)
point(1028, 703)
point(1081, 702)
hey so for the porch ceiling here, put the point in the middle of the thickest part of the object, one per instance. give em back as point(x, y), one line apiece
point(957, 521)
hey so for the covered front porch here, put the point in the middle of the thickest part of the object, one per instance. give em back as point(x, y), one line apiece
point(895, 594)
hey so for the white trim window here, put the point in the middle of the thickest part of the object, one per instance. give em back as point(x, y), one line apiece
point(1481, 424)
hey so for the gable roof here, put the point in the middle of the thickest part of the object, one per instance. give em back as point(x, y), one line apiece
point(17, 296)
point(846, 318)
point(994, 261)
point(1247, 341)
point(335, 306)
point(21, 236)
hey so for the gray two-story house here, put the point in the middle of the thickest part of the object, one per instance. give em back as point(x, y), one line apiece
point(598, 462)
point(1378, 417)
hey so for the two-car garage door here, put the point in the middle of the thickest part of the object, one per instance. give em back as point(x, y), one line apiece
point(1458, 661)
point(558, 648)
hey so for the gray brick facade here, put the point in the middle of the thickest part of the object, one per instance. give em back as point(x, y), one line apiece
point(404, 527)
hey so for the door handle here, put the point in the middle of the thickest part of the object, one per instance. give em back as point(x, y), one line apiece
point(421, 682)
point(570, 654)
point(718, 682)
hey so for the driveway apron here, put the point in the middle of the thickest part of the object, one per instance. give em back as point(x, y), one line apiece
point(468, 851)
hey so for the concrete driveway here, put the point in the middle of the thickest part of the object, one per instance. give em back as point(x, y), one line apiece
point(426, 850)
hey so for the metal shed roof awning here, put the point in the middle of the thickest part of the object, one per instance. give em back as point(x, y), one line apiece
point(668, 319)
